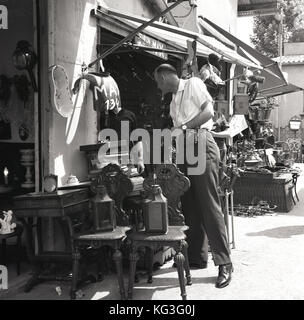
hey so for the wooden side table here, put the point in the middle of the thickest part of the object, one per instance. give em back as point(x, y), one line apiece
point(69, 208)
point(176, 239)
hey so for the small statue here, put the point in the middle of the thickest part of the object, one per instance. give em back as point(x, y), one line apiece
point(6, 223)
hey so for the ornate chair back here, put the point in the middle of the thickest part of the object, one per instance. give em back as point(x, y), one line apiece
point(173, 184)
point(118, 186)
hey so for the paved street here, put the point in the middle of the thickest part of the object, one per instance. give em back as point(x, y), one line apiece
point(268, 263)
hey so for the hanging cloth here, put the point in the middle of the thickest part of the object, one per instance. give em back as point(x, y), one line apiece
point(106, 94)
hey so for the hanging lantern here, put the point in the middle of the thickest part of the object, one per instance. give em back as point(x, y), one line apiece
point(155, 210)
point(103, 207)
point(25, 59)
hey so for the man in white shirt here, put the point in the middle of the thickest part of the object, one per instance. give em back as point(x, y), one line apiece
point(192, 109)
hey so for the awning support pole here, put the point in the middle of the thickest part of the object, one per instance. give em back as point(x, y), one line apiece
point(236, 77)
point(133, 33)
point(276, 87)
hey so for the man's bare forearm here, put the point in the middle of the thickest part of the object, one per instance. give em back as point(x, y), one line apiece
point(205, 115)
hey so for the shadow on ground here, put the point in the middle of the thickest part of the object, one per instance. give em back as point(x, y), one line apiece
point(280, 232)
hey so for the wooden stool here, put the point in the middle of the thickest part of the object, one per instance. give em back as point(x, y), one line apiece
point(176, 239)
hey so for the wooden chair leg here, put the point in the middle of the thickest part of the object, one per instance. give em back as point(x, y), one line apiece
point(132, 270)
point(117, 257)
point(179, 260)
point(186, 263)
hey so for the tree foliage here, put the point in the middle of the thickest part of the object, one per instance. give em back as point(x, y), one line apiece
point(266, 28)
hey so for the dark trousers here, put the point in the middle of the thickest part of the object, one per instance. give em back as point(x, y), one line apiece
point(202, 210)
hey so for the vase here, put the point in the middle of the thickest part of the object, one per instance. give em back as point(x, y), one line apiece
point(28, 161)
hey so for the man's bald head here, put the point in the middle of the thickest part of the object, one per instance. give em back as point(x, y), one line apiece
point(165, 68)
point(166, 78)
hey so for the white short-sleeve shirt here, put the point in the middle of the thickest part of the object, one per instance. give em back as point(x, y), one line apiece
point(187, 101)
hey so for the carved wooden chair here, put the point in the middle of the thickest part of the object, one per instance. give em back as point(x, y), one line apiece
point(118, 186)
point(173, 184)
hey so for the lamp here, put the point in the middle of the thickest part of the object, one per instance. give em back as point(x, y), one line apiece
point(295, 123)
point(24, 58)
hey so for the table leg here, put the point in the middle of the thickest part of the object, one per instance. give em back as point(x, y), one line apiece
point(34, 280)
point(133, 261)
point(149, 261)
point(3, 253)
point(295, 187)
point(75, 257)
point(19, 251)
point(179, 259)
point(117, 257)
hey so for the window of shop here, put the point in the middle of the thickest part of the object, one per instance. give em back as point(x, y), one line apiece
point(18, 103)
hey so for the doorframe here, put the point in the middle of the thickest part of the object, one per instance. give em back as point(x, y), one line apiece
point(42, 109)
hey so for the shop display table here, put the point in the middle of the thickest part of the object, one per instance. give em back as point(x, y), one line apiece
point(69, 208)
point(276, 190)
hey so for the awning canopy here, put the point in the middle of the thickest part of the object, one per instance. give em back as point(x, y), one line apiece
point(280, 90)
point(275, 83)
point(178, 37)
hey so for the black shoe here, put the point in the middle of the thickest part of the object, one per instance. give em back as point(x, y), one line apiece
point(224, 276)
point(194, 265)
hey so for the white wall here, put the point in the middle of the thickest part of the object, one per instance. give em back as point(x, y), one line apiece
point(137, 7)
point(223, 13)
point(72, 41)
point(292, 104)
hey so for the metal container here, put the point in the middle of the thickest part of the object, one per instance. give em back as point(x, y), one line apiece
point(104, 218)
point(155, 210)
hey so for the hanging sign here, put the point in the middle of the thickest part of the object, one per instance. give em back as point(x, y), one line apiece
point(237, 124)
point(146, 41)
